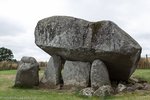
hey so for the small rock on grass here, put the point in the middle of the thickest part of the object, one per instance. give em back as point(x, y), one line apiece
point(105, 90)
point(87, 91)
point(121, 88)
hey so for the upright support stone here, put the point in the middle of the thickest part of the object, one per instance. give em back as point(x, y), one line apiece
point(76, 73)
point(99, 74)
point(52, 74)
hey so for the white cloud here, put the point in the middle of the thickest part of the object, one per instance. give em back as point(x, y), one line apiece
point(9, 27)
point(23, 45)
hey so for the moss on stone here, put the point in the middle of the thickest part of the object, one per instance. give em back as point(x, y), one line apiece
point(95, 28)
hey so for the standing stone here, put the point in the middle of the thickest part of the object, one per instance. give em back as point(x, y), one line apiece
point(27, 73)
point(76, 73)
point(52, 74)
point(99, 74)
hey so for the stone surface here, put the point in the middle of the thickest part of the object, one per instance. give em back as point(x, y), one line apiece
point(138, 86)
point(52, 74)
point(130, 89)
point(105, 90)
point(121, 88)
point(27, 73)
point(87, 91)
point(133, 80)
point(132, 85)
point(81, 40)
point(146, 86)
point(76, 73)
point(99, 74)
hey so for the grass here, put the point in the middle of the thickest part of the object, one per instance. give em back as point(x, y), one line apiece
point(8, 72)
point(143, 73)
point(9, 93)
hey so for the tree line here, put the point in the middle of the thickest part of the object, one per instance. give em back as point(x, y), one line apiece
point(6, 54)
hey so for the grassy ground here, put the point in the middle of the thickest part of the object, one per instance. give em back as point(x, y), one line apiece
point(9, 93)
point(142, 73)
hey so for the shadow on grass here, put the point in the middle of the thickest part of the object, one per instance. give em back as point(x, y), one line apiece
point(25, 87)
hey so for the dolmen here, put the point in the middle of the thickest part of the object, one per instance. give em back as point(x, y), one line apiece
point(86, 54)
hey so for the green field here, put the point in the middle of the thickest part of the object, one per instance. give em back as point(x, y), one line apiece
point(8, 93)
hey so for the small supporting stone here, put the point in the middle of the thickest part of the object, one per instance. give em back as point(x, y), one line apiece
point(99, 74)
point(87, 91)
point(76, 73)
point(52, 74)
point(121, 88)
point(105, 90)
point(27, 73)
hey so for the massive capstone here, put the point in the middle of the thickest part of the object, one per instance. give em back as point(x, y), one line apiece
point(80, 40)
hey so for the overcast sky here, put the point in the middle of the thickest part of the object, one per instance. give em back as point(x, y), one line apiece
point(18, 19)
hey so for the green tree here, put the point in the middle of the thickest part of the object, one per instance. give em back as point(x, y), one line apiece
point(6, 54)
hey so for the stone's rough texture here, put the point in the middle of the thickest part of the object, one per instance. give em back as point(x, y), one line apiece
point(138, 86)
point(80, 40)
point(146, 86)
point(121, 88)
point(134, 84)
point(87, 91)
point(99, 74)
point(133, 80)
point(105, 90)
point(130, 89)
point(27, 73)
point(76, 73)
point(52, 74)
